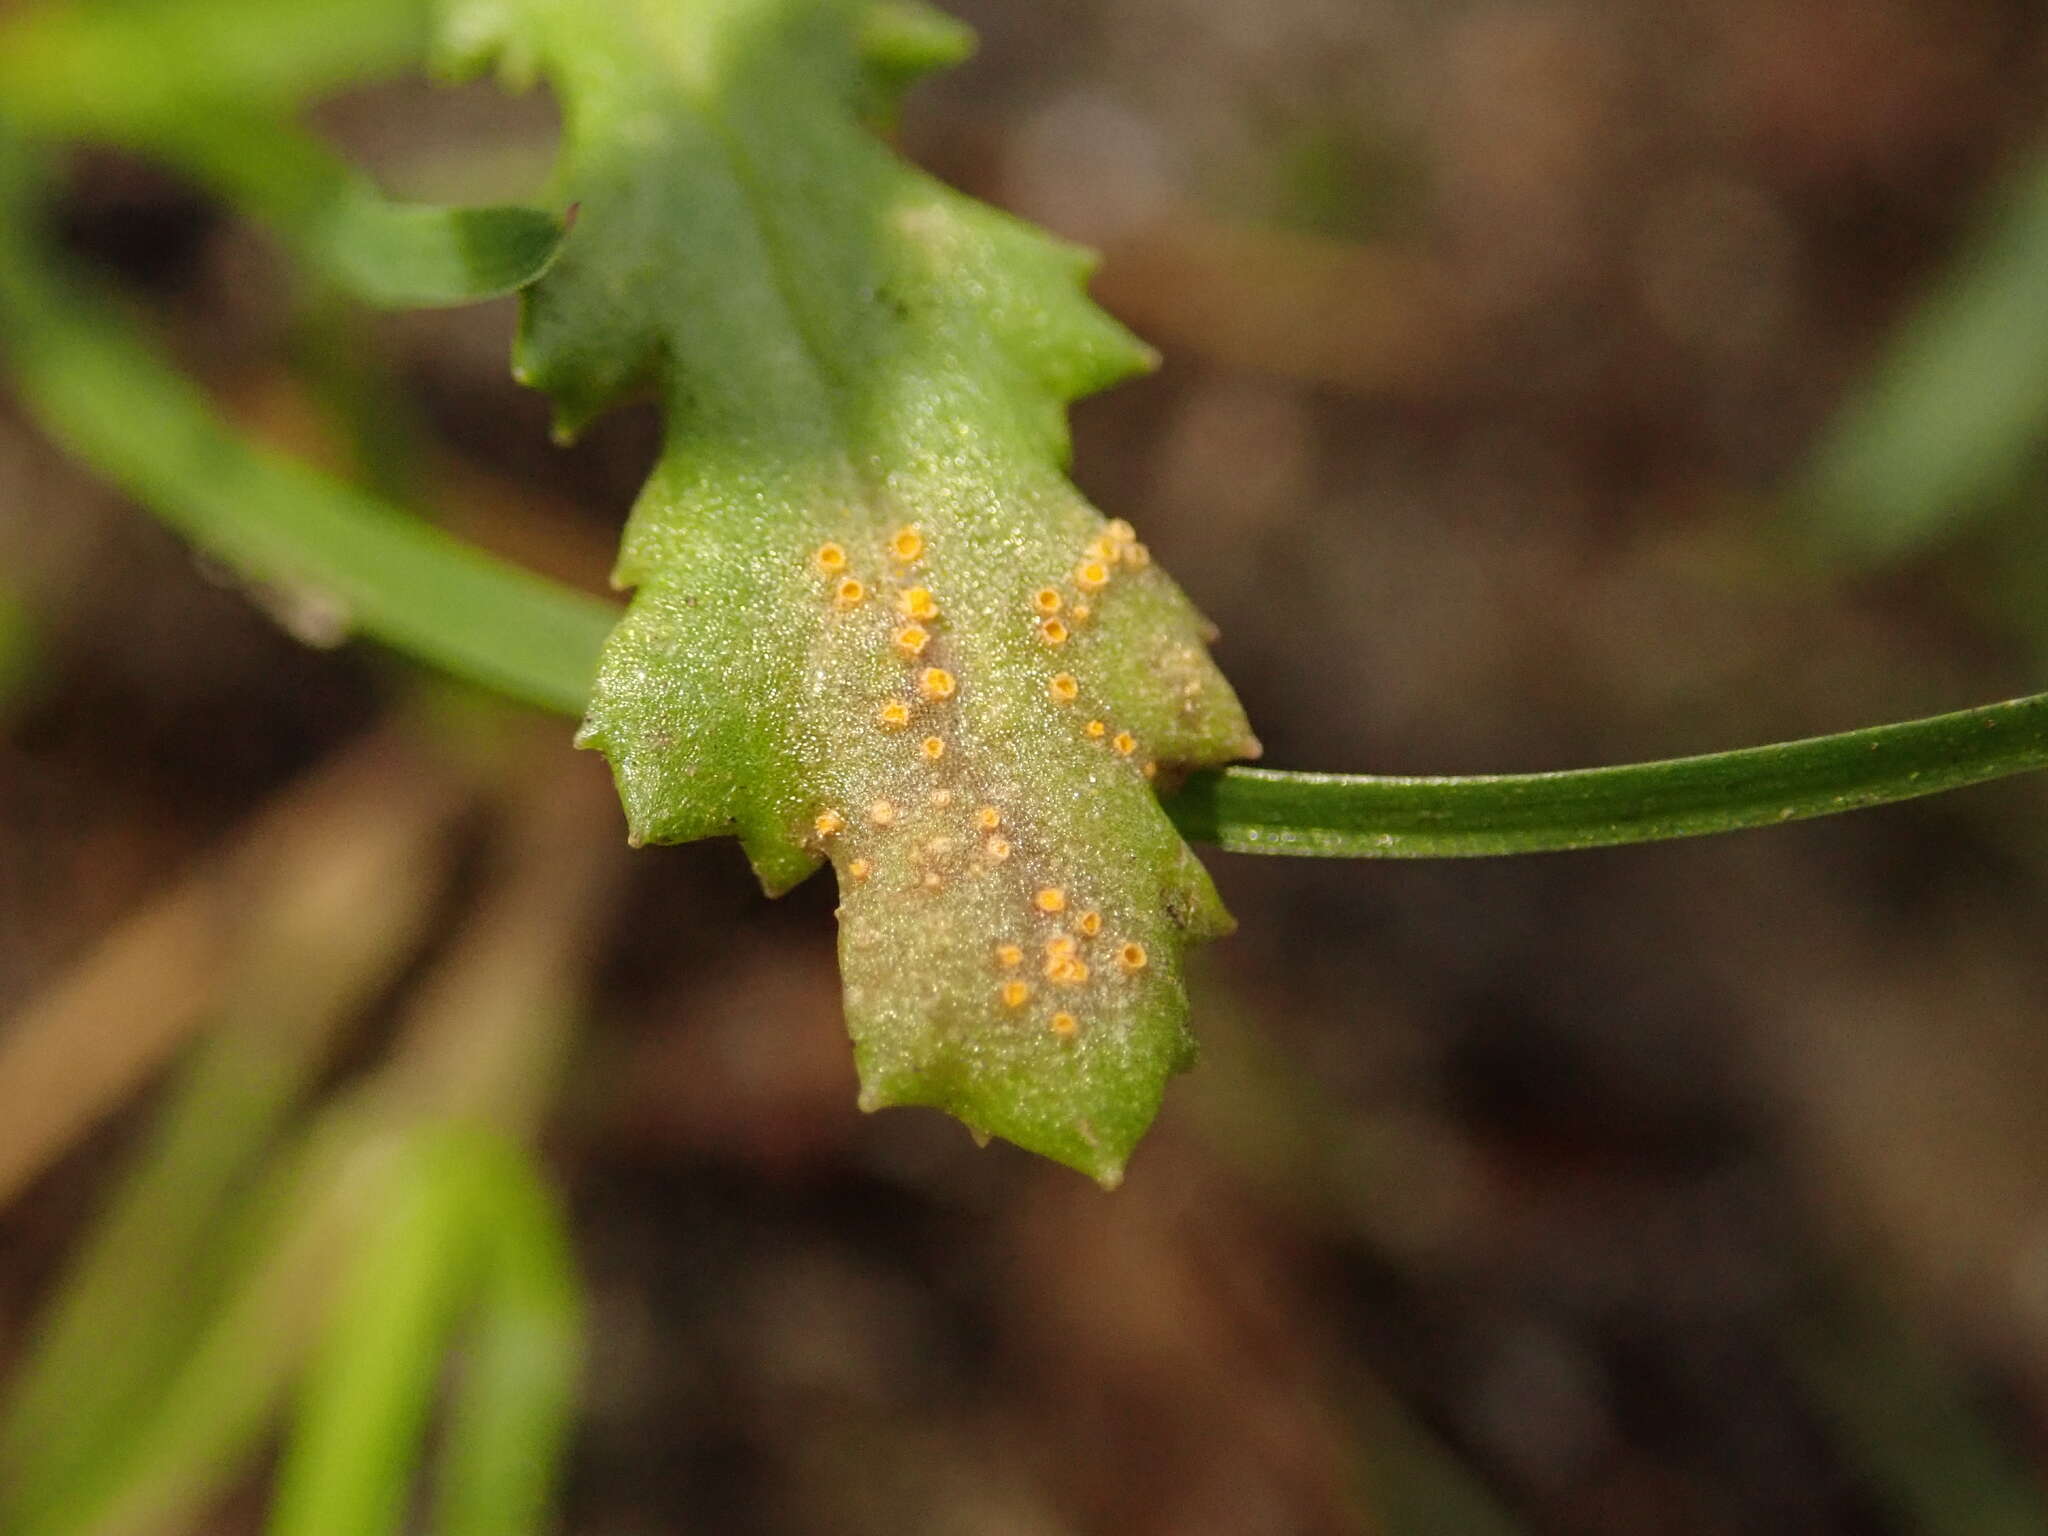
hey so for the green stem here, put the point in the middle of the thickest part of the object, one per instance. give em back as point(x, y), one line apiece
point(1336, 815)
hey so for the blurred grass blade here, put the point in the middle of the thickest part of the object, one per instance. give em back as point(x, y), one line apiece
point(206, 1422)
point(468, 1220)
point(468, 1054)
point(1908, 1424)
point(18, 647)
point(509, 1419)
point(349, 1467)
point(115, 403)
point(136, 1297)
point(1952, 415)
point(1358, 816)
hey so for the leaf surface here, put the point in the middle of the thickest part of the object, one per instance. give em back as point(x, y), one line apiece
point(873, 622)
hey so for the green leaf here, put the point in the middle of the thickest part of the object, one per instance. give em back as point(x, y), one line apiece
point(220, 111)
point(362, 1413)
point(390, 254)
point(513, 1407)
point(113, 1331)
point(843, 641)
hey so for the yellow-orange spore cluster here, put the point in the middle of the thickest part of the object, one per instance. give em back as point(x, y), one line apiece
point(1057, 617)
point(926, 691)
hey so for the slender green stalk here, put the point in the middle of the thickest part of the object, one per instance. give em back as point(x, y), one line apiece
point(1334, 815)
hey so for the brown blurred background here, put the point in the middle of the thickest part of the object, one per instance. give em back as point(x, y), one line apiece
point(1694, 1188)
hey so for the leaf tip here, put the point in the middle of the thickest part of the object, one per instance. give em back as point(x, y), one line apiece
point(904, 39)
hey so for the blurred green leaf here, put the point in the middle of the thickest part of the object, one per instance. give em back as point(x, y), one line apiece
point(152, 1269)
point(509, 1417)
point(349, 1464)
point(393, 255)
point(412, 1190)
point(1955, 410)
point(155, 1468)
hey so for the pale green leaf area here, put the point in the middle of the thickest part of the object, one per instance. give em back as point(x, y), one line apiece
point(873, 623)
